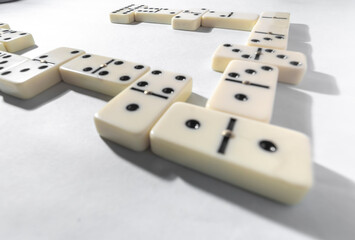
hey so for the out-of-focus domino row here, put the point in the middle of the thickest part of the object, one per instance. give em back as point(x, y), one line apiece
point(13, 41)
point(269, 30)
point(190, 19)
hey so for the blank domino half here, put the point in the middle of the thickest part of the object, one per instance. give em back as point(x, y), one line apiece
point(102, 74)
point(271, 30)
point(32, 77)
point(15, 40)
point(188, 19)
point(156, 15)
point(292, 65)
point(125, 14)
point(272, 161)
point(128, 117)
point(246, 89)
point(230, 20)
point(4, 25)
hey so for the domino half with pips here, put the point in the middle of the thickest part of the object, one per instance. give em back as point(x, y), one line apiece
point(246, 89)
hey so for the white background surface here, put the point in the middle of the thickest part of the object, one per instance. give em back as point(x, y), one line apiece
point(60, 180)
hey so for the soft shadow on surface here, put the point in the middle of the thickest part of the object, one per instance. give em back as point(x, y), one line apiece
point(87, 92)
point(49, 95)
point(327, 212)
point(292, 109)
point(26, 50)
point(197, 99)
point(313, 81)
point(203, 30)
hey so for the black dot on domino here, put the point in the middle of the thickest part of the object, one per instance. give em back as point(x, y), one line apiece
point(268, 146)
point(5, 73)
point(180, 77)
point(156, 72)
point(250, 71)
point(227, 45)
point(125, 78)
point(255, 40)
point(118, 63)
point(24, 70)
point(7, 56)
point(245, 56)
point(86, 56)
point(1, 68)
point(168, 90)
point(268, 39)
point(193, 124)
point(42, 67)
point(74, 52)
point(267, 68)
point(43, 56)
point(138, 66)
point(235, 50)
point(270, 50)
point(132, 107)
point(279, 37)
point(233, 75)
point(295, 63)
point(241, 97)
point(3, 62)
point(87, 69)
point(103, 73)
point(281, 56)
point(177, 16)
point(142, 83)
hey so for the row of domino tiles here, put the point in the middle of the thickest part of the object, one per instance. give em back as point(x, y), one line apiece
point(13, 41)
point(269, 30)
point(185, 19)
point(269, 160)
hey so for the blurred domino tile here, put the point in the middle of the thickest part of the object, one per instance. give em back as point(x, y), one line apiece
point(271, 30)
point(13, 41)
point(188, 19)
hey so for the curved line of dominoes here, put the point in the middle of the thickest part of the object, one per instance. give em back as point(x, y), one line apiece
point(272, 161)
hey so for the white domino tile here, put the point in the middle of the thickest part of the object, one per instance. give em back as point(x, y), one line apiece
point(271, 30)
point(102, 74)
point(15, 40)
point(292, 65)
point(32, 77)
point(156, 15)
point(128, 118)
point(272, 161)
point(246, 89)
point(230, 20)
point(188, 19)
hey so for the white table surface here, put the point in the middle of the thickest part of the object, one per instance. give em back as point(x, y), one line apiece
point(60, 180)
